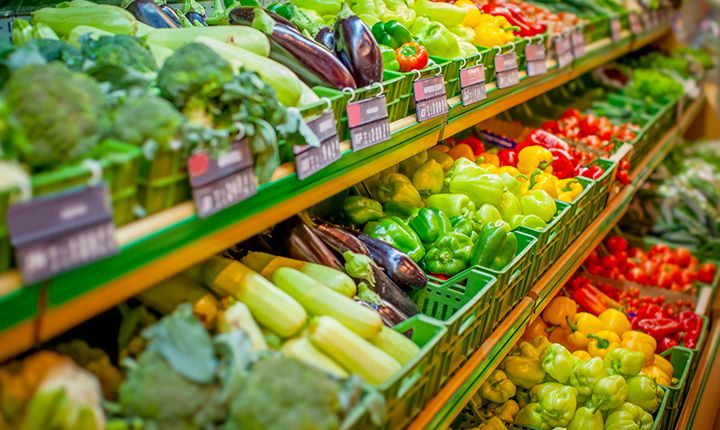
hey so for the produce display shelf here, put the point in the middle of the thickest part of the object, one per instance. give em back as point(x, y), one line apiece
point(161, 245)
point(447, 405)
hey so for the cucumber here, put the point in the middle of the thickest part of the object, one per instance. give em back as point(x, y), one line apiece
point(396, 345)
point(303, 349)
point(248, 38)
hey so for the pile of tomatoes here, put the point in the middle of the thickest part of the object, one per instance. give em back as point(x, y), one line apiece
point(674, 269)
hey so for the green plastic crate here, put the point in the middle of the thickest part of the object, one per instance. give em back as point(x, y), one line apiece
point(452, 85)
point(465, 308)
point(551, 241)
point(163, 181)
point(579, 216)
point(602, 186)
point(681, 359)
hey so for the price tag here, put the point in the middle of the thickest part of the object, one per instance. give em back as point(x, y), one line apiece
point(430, 98)
point(578, 43)
point(655, 18)
point(647, 22)
point(506, 70)
point(311, 159)
point(635, 25)
point(472, 85)
point(615, 29)
point(55, 233)
point(368, 122)
point(218, 183)
point(563, 51)
point(536, 64)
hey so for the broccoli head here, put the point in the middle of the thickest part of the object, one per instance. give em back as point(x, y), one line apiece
point(150, 118)
point(192, 78)
point(285, 394)
point(120, 50)
point(60, 113)
point(41, 51)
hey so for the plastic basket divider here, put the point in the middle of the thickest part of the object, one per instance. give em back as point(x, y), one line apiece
point(681, 359)
point(551, 239)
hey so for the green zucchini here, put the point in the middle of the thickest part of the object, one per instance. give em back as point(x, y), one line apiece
point(303, 349)
point(396, 345)
point(248, 38)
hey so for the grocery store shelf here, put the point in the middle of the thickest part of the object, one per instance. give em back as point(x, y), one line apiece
point(447, 405)
point(164, 244)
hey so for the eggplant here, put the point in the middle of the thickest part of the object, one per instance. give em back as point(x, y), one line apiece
point(196, 17)
point(340, 240)
point(302, 244)
point(244, 15)
point(312, 62)
point(390, 315)
point(170, 12)
point(398, 266)
point(326, 38)
point(147, 12)
point(357, 49)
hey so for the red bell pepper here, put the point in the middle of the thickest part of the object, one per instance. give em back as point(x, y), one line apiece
point(688, 342)
point(691, 324)
point(667, 343)
point(634, 322)
point(659, 328)
point(586, 297)
point(593, 172)
point(546, 140)
point(650, 311)
point(474, 143)
point(563, 163)
point(527, 28)
point(508, 157)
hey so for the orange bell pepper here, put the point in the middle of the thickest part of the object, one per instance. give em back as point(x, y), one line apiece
point(559, 309)
point(536, 328)
point(462, 150)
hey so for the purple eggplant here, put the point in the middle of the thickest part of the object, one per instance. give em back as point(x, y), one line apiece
point(326, 38)
point(147, 12)
point(301, 243)
point(398, 266)
point(170, 12)
point(357, 49)
point(390, 315)
point(312, 62)
point(244, 15)
point(196, 19)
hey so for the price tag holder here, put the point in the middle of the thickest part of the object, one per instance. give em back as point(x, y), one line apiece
point(62, 231)
point(218, 183)
point(563, 51)
point(578, 43)
point(506, 70)
point(647, 22)
point(635, 24)
point(312, 159)
point(430, 98)
point(472, 85)
point(615, 30)
point(368, 122)
point(536, 56)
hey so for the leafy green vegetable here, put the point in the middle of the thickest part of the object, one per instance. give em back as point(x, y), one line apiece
point(120, 50)
point(149, 121)
point(42, 51)
point(650, 84)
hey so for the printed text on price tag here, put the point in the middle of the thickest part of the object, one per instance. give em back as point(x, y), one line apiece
point(506, 70)
point(368, 122)
point(536, 56)
point(430, 98)
point(472, 85)
point(311, 159)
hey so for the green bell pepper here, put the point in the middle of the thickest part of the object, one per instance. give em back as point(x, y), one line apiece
point(464, 167)
point(445, 13)
point(395, 10)
point(487, 214)
point(629, 417)
point(522, 397)
point(609, 393)
point(409, 165)
point(624, 362)
point(391, 33)
point(399, 188)
point(586, 419)
point(449, 255)
point(307, 21)
point(585, 375)
point(434, 36)
point(513, 186)
point(530, 221)
point(558, 405)
point(452, 205)
point(481, 189)
point(400, 210)
point(467, 49)
point(429, 224)
point(509, 207)
point(557, 361)
point(524, 372)
point(531, 415)
point(428, 178)
point(360, 210)
point(462, 225)
point(463, 33)
point(644, 392)
point(322, 7)
point(389, 57)
point(539, 203)
point(498, 388)
point(397, 233)
point(495, 247)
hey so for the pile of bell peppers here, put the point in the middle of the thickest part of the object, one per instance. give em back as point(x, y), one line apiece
point(542, 384)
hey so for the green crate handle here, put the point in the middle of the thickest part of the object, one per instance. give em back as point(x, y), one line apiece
point(468, 321)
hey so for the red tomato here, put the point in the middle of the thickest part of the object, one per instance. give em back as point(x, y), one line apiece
point(682, 256)
point(615, 244)
point(589, 125)
point(550, 126)
point(693, 262)
point(609, 261)
point(614, 273)
point(604, 122)
point(595, 269)
point(592, 141)
point(658, 249)
point(669, 258)
point(706, 273)
point(621, 256)
point(627, 264)
point(624, 164)
point(637, 254)
point(572, 113)
point(605, 133)
point(648, 266)
point(636, 275)
point(662, 279)
point(685, 276)
point(623, 177)
point(591, 258)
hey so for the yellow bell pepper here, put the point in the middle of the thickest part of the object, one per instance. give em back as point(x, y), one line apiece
point(558, 310)
point(510, 170)
point(663, 364)
point(581, 325)
point(526, 349)
point(489, 158)
point(462, 150)
point(615, 321)
point(641, 342)
point(490, 31)
point(603, 342)
point(582, 355)
point(508, 410)
point(568, 189)
point(560, 335)
point(532, 158)
point(441, 147)
point(540, 181)
point(491, 168)
point(472, 18)
point(536, 328)
point(658, 374)
point(540, 342)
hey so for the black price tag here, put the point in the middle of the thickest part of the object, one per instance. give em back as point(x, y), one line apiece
point(218, 183)
point(472, 85)
point(563, 51)
point(506, 70)
point(368, 122)
point(578, 43)
point(56, 233)
point(635, 25)
point(615, 29)
point(430, 98)
point(536, 64)
point(311, 159)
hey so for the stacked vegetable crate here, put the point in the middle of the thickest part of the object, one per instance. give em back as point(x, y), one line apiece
point(681, 360)
point(602, 186)
point(551, 240)
point(580, 216)
point(163, 181)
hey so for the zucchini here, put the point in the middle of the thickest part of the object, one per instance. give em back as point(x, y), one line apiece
point(303, 349)
point(269, 305)
point(104, 17)
point(396, 345)
point(238, 317)
point(165, 296)
point(353, 352)
point(267, 264)
point(248, 38)
point(320, 300)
